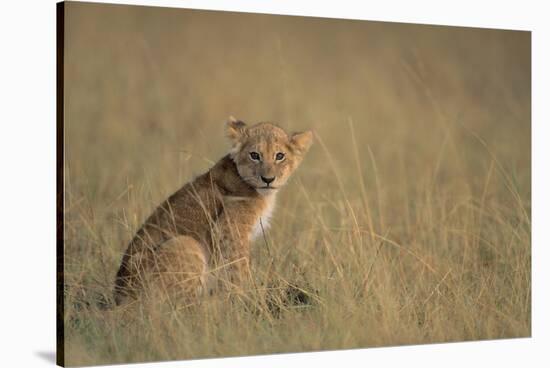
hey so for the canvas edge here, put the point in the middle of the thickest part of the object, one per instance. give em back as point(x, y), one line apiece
point(60, 279)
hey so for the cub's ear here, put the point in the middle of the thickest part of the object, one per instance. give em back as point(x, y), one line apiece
point(235, 129)
point(300, 142)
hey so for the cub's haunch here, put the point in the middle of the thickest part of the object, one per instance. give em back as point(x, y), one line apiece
point(199, 238)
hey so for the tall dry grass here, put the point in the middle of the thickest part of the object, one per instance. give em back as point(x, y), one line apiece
point(408, 222)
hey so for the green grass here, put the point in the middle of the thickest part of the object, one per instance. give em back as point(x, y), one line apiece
point(409, 221)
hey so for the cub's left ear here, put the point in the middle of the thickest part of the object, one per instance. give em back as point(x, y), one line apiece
point(235, 129)
point(301, 142)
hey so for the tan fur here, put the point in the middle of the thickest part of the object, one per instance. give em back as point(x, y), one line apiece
point(200, 236)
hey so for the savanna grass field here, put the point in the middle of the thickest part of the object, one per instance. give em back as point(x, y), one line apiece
point(409, 221)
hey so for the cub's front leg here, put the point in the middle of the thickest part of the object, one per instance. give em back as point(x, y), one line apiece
point(232, 246)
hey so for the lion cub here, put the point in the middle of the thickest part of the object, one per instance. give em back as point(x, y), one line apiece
point(205, 228)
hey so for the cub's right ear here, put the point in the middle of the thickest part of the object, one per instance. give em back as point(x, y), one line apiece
point(300, 142)
point(235, 129)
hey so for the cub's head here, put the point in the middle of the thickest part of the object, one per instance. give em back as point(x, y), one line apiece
point(265, 154)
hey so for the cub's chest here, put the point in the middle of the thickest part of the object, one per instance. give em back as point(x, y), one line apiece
point(264, 218)
point(254, 214)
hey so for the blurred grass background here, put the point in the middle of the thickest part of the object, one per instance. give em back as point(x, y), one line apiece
point(410, 216)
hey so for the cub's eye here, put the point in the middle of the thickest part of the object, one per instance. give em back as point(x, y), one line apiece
point(255, 156)
point(279, 156)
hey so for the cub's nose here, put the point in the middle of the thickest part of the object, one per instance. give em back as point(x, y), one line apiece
point(267, 180)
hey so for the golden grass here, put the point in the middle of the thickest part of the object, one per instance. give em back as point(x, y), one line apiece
point(409, 222)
